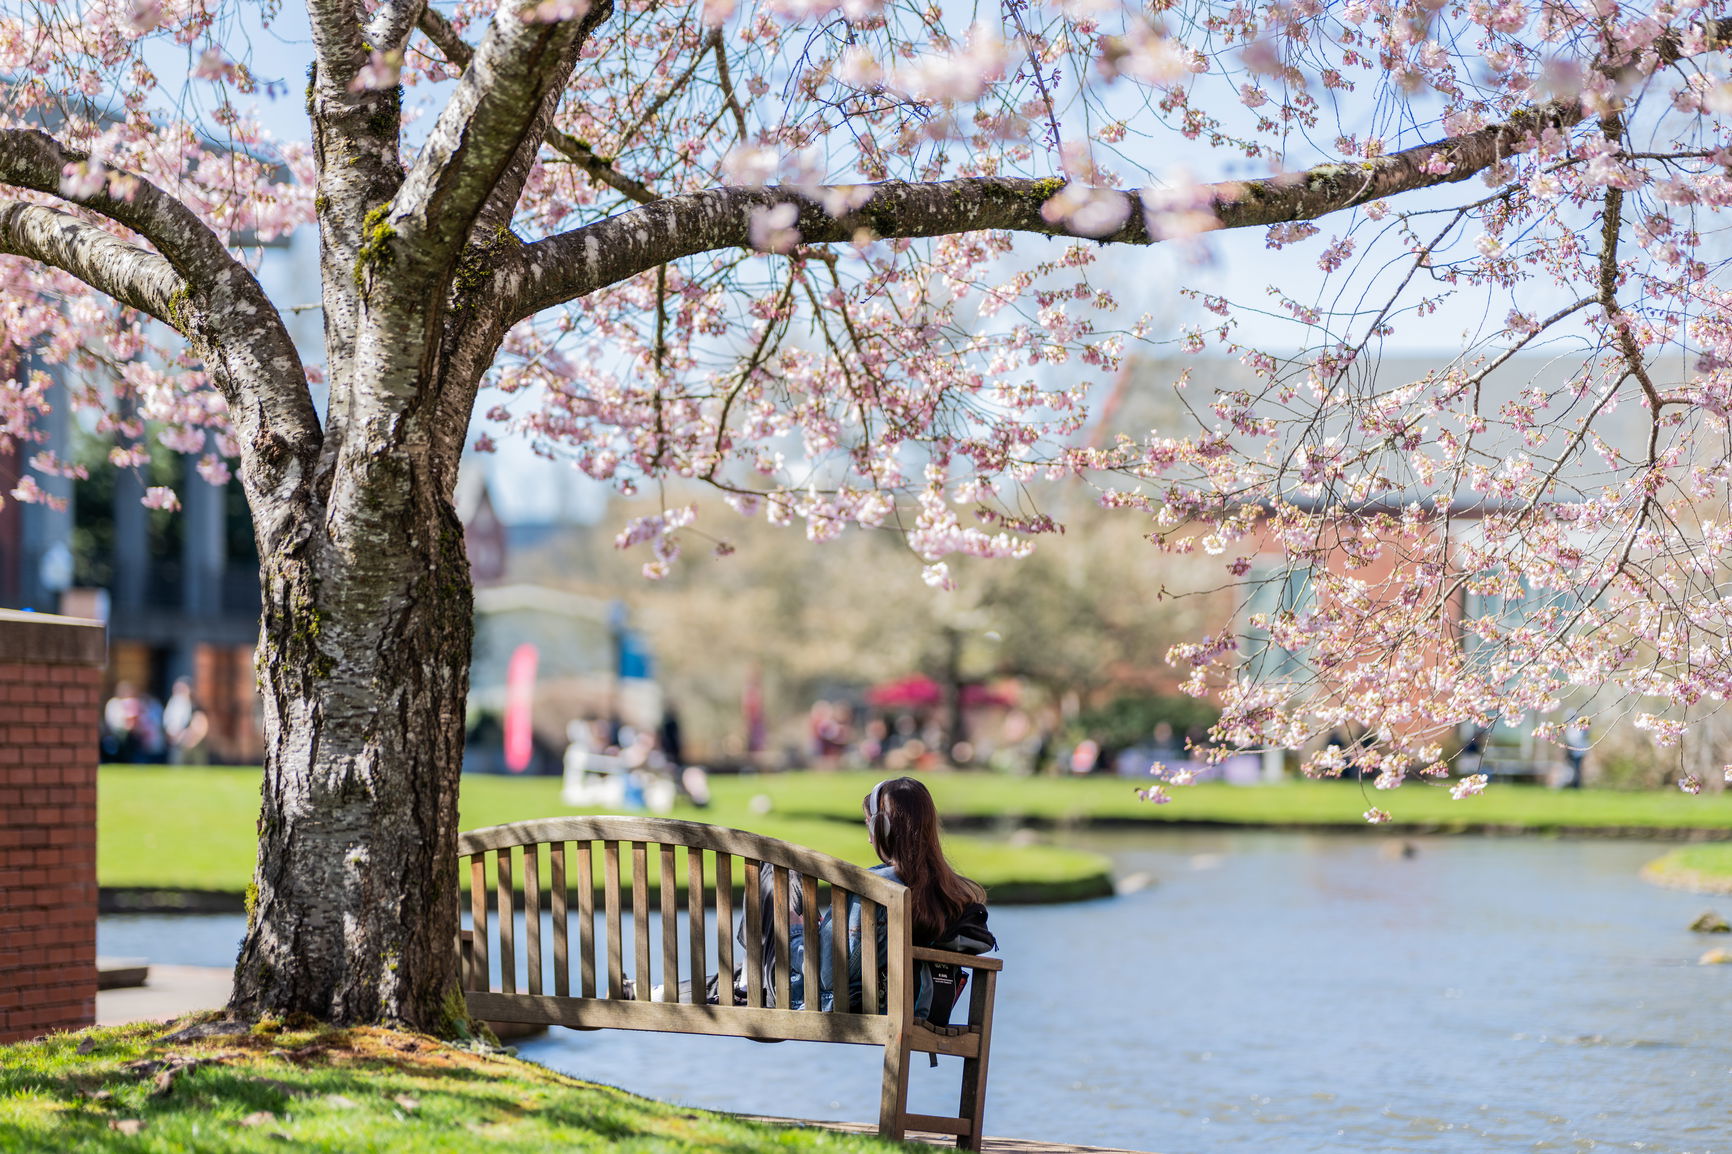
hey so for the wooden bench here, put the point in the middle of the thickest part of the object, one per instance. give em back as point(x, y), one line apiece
point(556, 862)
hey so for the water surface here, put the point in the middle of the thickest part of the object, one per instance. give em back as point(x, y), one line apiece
point(1278, 992)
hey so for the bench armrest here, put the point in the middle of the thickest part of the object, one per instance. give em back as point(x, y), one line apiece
point(973, 961)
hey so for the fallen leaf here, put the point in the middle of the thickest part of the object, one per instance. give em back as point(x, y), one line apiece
point(127, 1126)
point(408, 1103)
point(259, 1118)
point(286, 1089)
point(338, 1102)
point(163, 1084)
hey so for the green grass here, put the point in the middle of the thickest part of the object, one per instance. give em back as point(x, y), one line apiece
point(1081, 800)
point(193, 829)
point(126, 1088)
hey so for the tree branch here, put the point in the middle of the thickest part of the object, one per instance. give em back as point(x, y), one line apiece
point(457, 52)
point(136, 278)
point(499, 104)
point(578, 262)
point(34, 160)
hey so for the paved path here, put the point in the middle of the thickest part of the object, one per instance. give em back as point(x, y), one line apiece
point(990, 1145)
point(169, 992)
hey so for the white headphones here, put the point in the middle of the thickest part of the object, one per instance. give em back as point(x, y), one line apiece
point(876, 823)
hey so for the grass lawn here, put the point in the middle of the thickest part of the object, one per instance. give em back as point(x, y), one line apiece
point(126, 1088)
point(193, 829)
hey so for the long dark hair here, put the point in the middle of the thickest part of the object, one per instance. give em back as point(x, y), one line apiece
point(905, 832)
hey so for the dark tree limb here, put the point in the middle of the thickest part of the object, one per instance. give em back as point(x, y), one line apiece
point(32, 159)
point(578, 262)
point(135, 277)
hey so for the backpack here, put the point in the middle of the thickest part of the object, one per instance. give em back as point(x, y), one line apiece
point(966, 934)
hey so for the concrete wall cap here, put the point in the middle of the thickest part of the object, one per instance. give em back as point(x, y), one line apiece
point(52, 640)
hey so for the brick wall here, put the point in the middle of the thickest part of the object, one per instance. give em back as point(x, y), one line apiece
point(50, 704)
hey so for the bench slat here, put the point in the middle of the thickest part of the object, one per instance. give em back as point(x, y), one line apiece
point(640, 918)
point(695, 920)
point(782, 924)
point(813, 939)
point(973, 961)
point(725, 926)
point(586, 916)
point(933, 1124)
point(927, 1041)
point(610, 898)
point(670, 882)
point(679, 1018)
point(670, 831)
point(561, 921)
point(754, 936)
point(869, 957)
point(480, 978)
point(507, 919)
point(532, 913)
point(842, 996)
point(899, 1003)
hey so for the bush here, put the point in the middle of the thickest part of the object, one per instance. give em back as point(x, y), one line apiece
point(1131, 720)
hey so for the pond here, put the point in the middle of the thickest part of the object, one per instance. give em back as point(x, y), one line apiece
point(1284, 992)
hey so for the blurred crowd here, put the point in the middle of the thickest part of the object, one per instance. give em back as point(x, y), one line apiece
point(139, 729)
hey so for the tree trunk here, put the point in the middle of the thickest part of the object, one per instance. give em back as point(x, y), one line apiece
point(363, 673)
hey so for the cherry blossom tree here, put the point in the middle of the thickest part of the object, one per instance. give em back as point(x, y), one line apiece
point(833, 259)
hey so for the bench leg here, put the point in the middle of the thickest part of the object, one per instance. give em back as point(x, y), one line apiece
point(973, 1105)
point(893, 1102)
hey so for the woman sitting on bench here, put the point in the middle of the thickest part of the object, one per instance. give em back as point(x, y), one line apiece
point(949, 910)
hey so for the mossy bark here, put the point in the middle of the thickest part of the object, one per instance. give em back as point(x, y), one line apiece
point(363, 673)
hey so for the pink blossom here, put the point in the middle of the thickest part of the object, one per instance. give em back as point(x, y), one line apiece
point(772, 229)
point(160, 497)
point(1469, 786)
point(382, 70)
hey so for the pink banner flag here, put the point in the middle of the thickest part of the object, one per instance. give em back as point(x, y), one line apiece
point(519, 706)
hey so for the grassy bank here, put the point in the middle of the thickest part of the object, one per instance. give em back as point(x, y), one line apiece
point(1702, 868)
point(193, 829)
point(128, 1088)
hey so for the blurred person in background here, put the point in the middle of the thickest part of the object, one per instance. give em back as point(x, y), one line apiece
point(185, 725)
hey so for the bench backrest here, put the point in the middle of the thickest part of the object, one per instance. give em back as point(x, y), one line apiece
point(556, 861)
